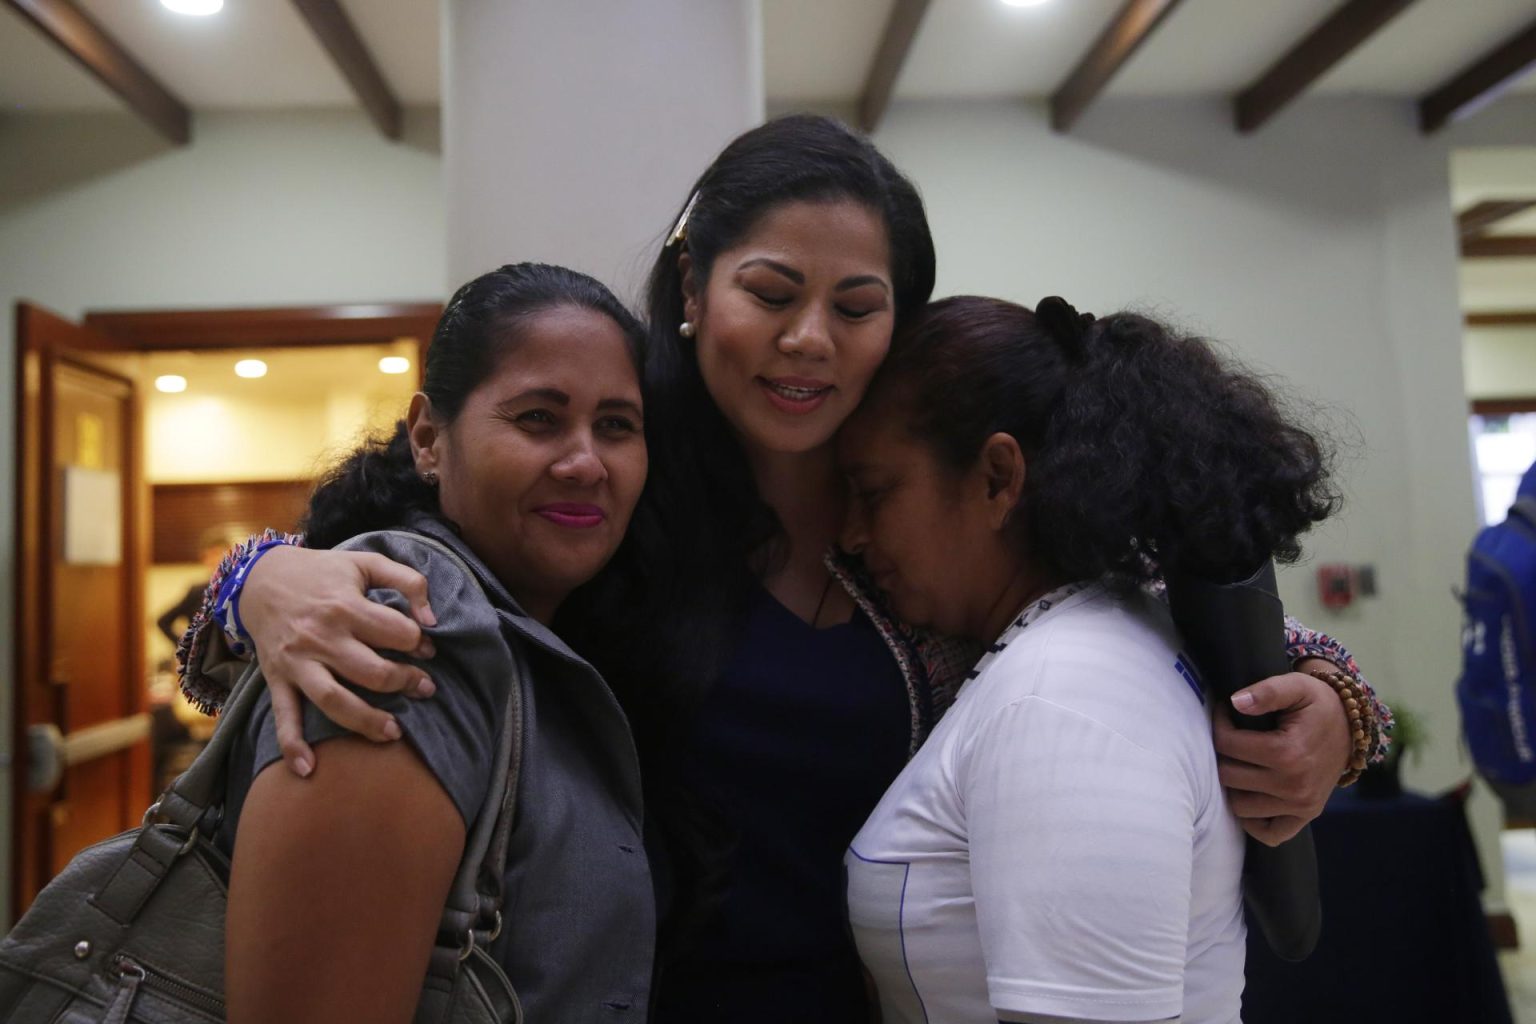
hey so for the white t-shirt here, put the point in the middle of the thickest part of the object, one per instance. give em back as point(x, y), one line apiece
point(1060, 845)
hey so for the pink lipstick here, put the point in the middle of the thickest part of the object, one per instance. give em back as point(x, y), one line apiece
point(573, 515)
point(797, 395)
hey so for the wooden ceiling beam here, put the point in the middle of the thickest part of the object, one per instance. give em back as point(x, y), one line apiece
point(77, 34)
point(1479, 217)
point(1498, 246)
point(1334, 38)
point(330, 24)
point(1506, 318)
point(1480, 83)
point(1121, 38)
point(900, 30)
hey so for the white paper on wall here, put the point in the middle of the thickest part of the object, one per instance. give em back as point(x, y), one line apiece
point(93, 516)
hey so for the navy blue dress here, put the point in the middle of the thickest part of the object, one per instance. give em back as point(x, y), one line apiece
point(795, 744)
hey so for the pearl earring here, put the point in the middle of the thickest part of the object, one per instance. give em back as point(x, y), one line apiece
point(686, 329)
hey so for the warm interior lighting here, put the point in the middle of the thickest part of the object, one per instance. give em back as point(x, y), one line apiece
point(394, 364)
point(250, 368)
point(171, 383)
point(197, 7)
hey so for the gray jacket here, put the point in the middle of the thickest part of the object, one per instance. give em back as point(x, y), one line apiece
point(580, 921)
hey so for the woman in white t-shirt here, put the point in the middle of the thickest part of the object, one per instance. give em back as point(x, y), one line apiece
point(1060, 849)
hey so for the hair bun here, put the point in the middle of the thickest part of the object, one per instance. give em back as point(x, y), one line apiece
point(1061, 320)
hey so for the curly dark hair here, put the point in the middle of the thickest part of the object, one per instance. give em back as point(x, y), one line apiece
point(1147, 452)
point(376, 486)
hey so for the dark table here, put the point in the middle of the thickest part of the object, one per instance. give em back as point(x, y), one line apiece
point(1404, 937)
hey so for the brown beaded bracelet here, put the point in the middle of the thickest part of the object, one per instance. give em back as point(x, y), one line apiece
point(1362, 720)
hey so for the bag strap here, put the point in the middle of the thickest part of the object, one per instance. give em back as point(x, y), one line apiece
point(190, 795)
point(170, 827)
point(471, 914)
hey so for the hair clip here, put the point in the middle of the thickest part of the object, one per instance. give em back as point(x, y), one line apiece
point(680, 231)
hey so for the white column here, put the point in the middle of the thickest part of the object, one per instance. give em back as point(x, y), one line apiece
point(572, 129)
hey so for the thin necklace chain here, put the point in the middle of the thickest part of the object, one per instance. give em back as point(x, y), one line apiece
point(825, 590)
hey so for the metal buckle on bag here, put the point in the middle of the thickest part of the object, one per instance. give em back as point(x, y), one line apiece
point(152, 817)
point(469, 938)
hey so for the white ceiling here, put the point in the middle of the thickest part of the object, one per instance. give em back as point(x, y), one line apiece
point(252, 54)
point(261, 54)
point(981, 48)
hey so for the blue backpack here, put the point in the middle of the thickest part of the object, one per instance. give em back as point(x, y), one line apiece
point(1497, 689)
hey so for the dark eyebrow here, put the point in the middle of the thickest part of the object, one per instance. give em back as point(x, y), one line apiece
point(859, 282)
point(774, 265)
point(794, 275)
point(554, 395)
point(560, 398)
point(621, 403)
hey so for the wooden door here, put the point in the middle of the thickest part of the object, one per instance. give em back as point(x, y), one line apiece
point(82, 748)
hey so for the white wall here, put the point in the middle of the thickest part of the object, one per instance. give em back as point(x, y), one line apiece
point(572, 130)
point(1321, 249)
point(261, 210)
point(195, 439)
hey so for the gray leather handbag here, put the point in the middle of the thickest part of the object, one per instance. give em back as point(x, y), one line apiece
point(132, 930)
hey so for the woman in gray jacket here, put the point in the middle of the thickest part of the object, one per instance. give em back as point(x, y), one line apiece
point(523, 456)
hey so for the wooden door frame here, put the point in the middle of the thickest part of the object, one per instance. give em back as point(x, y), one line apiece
point(137, 331)
point(36, 540)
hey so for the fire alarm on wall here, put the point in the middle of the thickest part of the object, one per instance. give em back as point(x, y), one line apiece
point(1338, 585)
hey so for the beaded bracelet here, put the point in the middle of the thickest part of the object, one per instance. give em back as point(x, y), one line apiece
point(1362, 725)
point(226, 607)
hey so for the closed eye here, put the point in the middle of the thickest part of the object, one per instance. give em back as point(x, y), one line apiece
point(869, 496)
point(773, 301)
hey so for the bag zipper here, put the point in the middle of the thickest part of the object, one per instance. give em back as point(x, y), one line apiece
point(135, 973)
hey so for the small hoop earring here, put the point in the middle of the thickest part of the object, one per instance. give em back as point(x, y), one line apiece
point(429, 478)
point(686, 329)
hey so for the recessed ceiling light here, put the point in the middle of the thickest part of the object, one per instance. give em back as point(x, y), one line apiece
point(251, 368)
point(1009, 3)
point(171, 383)
point(394, 364)
point(197, 7)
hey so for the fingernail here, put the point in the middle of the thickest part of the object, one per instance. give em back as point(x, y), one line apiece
point(303, 767)
point(425, 616)
point(1243, 700)
point(391, 730)
point(425, 687)
point(426, 649)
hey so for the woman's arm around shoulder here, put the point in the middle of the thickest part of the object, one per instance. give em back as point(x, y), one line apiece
point(457, 731)
point(307, 612)
point(1279, 781)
